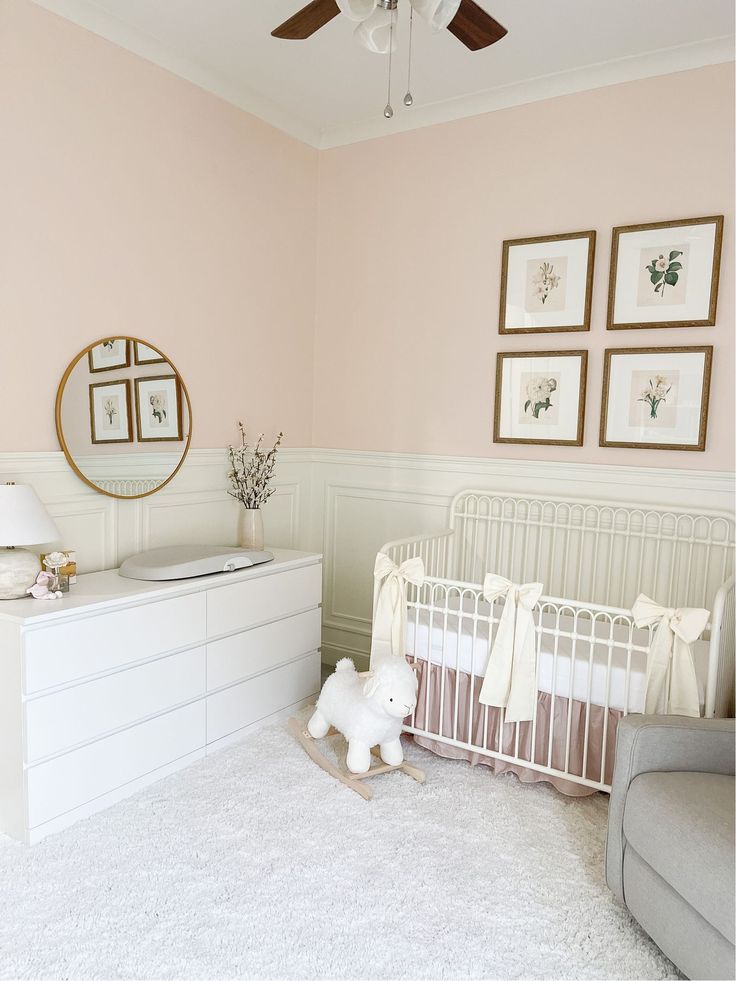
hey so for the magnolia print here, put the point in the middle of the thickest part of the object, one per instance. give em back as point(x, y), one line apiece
point(159, 404)
point(663, 275)
point(539, 398)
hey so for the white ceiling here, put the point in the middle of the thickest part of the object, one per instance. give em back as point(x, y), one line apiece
point(328, 91)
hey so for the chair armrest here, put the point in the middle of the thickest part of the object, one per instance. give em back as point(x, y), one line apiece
point(655, 743)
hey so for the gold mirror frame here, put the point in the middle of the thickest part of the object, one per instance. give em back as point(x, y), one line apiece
point(60, 432)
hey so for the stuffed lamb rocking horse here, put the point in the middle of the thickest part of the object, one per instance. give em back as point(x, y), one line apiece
point(369, 708)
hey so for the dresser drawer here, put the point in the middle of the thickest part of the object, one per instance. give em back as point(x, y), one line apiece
point(64, 652)
point(242, 655)
point(75, 715)
point(239, 706)
point(68, 781)
point(243, 604)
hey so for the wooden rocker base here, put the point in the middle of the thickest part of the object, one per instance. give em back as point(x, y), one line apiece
point(354, 781)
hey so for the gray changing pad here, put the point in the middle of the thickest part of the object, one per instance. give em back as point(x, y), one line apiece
point(188, 561)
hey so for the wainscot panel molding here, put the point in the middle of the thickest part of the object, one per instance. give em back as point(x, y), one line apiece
point(369, 498)
point(193, 508)
point(342, 503)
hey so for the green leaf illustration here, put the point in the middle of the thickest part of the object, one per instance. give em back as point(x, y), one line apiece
point(658, 287)
point(670, 278)
point(674, 254)
point(673, 266)
point(650, 268)
point(656, 276)
point(527, 404)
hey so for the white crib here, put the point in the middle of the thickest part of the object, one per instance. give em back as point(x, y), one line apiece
point(594, 559)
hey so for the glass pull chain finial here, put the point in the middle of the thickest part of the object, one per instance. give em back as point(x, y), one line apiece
point(388, 111)
point(408, 98)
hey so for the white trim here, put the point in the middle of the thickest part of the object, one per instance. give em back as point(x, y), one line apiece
point(665, 61)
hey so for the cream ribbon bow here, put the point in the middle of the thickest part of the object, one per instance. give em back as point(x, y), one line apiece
point(511, 675)
point(389, 620)
point(676, 631)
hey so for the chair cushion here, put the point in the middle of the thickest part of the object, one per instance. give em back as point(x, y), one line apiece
point(682, 825)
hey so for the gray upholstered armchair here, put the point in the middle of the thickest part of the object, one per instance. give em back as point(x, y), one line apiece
point(670, 854)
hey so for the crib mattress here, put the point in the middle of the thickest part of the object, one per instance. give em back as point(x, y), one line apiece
point(459, 647)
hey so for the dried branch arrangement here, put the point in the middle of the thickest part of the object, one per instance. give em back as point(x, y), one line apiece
point(251, 470)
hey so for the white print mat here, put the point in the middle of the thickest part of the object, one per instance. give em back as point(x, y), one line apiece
point(254, 863)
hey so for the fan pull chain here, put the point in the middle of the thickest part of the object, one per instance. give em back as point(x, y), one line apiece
point(409, 98)
point(388, 111)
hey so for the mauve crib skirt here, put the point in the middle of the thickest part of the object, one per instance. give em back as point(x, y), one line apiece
point(431, 720)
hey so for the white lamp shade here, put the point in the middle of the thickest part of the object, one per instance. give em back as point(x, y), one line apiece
point(23, 519)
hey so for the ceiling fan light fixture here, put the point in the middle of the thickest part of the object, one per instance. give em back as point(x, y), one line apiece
point(437, 13)
point(376, 32)
point(357, 10)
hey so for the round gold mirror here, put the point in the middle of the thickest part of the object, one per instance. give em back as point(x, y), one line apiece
point(123, 417)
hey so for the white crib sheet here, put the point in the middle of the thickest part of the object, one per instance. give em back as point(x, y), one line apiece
point(474, 651)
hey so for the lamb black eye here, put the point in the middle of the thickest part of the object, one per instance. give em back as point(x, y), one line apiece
point(390, 699)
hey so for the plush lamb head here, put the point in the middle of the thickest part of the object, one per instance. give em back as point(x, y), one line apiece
point(368, 709)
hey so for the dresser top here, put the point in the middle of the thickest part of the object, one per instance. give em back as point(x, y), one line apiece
point(107, 590)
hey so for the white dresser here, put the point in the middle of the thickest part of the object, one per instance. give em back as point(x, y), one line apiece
point(122, 682)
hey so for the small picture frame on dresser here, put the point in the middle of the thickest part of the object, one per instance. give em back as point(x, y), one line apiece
point(665, 274)
point(540, 397)
point(547, 283)
point(656, 398)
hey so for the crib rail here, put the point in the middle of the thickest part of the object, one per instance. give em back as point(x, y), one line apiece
point(571, 735)
point(594, 551)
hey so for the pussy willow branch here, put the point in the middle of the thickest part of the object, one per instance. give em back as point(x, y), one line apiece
point(251, 469)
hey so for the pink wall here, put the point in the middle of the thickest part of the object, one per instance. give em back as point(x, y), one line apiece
point(409, 259)
point(134, 202)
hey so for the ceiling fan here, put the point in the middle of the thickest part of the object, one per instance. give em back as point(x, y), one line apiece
point(464, 18)
point(376, 29)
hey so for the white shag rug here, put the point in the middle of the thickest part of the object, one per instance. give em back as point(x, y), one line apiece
point(256, 864)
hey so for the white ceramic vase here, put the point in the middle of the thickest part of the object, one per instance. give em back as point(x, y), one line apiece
point(250, 529)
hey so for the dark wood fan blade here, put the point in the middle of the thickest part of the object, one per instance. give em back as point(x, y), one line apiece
point(306, 21)
point(474, 27)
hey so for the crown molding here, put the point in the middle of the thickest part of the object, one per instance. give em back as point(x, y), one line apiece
point(665, 61)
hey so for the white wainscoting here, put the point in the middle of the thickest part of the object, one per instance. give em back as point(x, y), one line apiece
point(363, 500)
point(342, 503)
point(194, 507)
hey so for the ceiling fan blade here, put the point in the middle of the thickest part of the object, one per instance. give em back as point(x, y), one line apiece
point(307, 21)
point(474, 27)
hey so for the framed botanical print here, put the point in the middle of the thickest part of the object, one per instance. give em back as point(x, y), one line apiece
point(158, 408)
point(114, 352)
point(665, 274)
point(540, 397)
point(143, 354)
point(656, 397)
point(110, 412)
point(547, 283)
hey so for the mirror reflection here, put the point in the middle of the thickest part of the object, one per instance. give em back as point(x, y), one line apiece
point(123, 417)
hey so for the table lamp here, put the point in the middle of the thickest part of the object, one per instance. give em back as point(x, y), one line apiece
point(23, 521)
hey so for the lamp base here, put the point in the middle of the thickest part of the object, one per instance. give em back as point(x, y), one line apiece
point(18, 571)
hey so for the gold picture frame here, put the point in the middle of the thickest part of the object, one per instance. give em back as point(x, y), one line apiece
point(94, 409)
point(174, 383)
point(649, 397)
point(659, 278)
point(504, 404)
point(586, 282)
point(94, 353)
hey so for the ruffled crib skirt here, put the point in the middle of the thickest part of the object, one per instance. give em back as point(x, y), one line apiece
point(428, 717)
